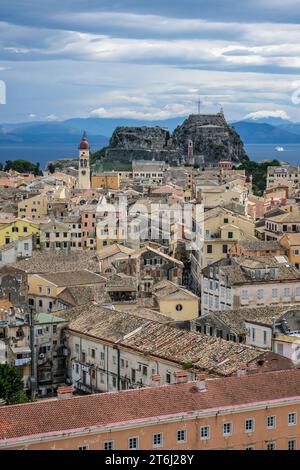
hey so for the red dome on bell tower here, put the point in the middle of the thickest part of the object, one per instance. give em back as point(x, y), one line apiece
point(84, 145)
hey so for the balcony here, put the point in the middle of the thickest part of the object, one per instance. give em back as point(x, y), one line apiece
point(21, 362)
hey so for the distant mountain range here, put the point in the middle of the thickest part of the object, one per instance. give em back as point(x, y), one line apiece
point(99, 130)
point(263, 133)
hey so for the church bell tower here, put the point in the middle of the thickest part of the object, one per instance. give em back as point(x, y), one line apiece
point(84, 171)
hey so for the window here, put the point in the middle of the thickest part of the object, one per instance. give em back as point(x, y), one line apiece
point(225, 221)
point(181, 435)
point(145, 370)
point(271, 422)
point(40, 290)
point(265, 336)
point(227, 429)
point(57, 234)
point(77, 368)
point(40, 303)
point(157, 439)
point(209, 248)
point(230, 234)
point(133, 443)
point(122, 362)
point(244, 294)
point(25, 229)
point(168, 378)
point(179, 307)
point(77, 348)
point(108, 445)
point(48, 290)
point(93, 353)
point(292, 419)
point(286, 292)
point(86, 447)
point(292, 444)
point(253, 334)
point(204, 432)
point(249, 425)
point(260, 294)
point(102, 356)
point(297, 290)
point(54, 329)
point(274, 293)
point(114, 381)
point(26, 246)
point(271, 446)
point(224, 249)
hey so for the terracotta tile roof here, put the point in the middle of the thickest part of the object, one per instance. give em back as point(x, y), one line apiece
point(84, 412)
point(213, 355)
point(59, 262)
point(235, 319)
point(113, 250)
point(75, 278)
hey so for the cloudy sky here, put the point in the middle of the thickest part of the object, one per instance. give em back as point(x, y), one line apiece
point(149, 58)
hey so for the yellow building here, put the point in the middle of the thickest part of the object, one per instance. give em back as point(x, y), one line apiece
point(35, 207)
point(220, 229)
point(19, 228)
point(44, 289)
point(107, 235)
point(175, 301)
point(291, 243)
point(106, 180)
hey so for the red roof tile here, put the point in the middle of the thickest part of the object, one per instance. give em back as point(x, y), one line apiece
point(116, 407)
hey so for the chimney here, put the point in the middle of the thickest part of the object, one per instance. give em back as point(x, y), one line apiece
point(181, 377)
point(130, 265)
point(242, 370)
point(64, 392)
point(12, 317)
point(156, 380)
point(273, 326)
point(200, 383)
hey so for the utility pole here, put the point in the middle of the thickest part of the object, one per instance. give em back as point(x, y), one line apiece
point(33, 371)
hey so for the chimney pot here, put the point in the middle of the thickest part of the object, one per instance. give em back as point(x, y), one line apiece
point(200, 383)
point(181, 376)
point(64, 392)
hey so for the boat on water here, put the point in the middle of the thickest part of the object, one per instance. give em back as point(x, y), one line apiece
point(279, 149)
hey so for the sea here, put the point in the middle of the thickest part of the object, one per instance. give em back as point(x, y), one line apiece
point(43, 155)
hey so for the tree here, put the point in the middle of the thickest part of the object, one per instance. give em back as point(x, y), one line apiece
point(1, 166)
point(22, 166)
point(51, 168)
point(11, 385)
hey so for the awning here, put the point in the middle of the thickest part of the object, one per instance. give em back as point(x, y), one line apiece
point(24, 350)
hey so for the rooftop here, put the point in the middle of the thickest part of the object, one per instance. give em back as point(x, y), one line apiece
point(116, 408)
point(288, 217)
point(59, 262)
point(210, 354)
point(44, 318)
point(235, 319)
point(255, 244)
point(74, 278)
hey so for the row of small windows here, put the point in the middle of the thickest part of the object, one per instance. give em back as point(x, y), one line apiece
point(205, 434)
point(209, 248)
point(249, 425)
point(287, 292)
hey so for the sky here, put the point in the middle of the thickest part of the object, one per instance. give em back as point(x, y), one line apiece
point(147, 59)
